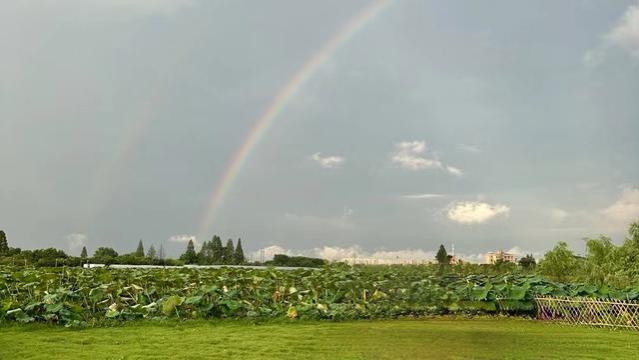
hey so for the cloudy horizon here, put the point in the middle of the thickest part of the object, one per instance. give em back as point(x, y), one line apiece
point(493, 125)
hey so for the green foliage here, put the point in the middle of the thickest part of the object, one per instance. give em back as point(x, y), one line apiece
point(633, 232)
point(442, 255)
point(228, 256)
point(213, 253)
point(189, 256)
point(606, 263)
point(74, 295)
point(559, 263)
point(238, 257)
point(296, 261)
point(4, 244)
point(161, 254)
point(84, 253)
point(528, 262)
point(152, 254)
point(139, 252)
point(105, 253)
point(217, 251)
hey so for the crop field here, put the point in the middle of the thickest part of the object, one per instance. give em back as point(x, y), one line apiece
point(82, 297)
point(335, 312)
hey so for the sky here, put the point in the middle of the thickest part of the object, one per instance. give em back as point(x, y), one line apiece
point(334, 128)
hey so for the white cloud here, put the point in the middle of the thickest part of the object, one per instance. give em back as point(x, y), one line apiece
point(267, 253)
point(625, 34)
point(423, 196)
point(408, 154)
point(335, 253)
point(413, 155)
point(380, 256)
point(75, 242)
point(626, 209)
point(328, 162)
point(455, 171)
point(475, 212)
point(183, 239)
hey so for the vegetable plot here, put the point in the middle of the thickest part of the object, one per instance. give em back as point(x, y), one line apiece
point(74, 296)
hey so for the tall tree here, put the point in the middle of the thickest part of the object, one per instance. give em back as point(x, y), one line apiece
point(4, 244)
point(84, 254)
point(151, 253)
point(202, 257)
point(217, 251)
point(239, 252)
point(189, 256)
point(229, 253)
point(633, 232)
point(139, 252)
point(442, 255)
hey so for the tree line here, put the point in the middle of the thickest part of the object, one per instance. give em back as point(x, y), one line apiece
point(213, 253)
point(210, 253)
point(603, 263)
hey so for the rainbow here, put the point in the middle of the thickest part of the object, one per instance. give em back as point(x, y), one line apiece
point(103, 181)
point(279, 103)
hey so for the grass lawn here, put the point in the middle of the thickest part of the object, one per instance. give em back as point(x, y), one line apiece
point(483, 338)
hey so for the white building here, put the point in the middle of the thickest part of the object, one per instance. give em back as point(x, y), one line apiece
point(494, 256)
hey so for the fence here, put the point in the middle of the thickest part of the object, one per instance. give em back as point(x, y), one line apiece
point(590, 312)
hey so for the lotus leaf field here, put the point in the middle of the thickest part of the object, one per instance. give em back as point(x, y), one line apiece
point(77, 297)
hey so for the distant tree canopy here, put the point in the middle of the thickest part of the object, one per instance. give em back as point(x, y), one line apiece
point(604, 261)
point(161, 254)
point(607, 263)
point(139, 252)
point(442, 255)
point(152, 254)
point(238, 257)
point(217, 250)
point(559, 263)
point(189, 256)
point(213, 253)
point(296, 261)
point(41, 257)
point(527, 262)
point(4, 244)
point(105, 252)
point(229, 253)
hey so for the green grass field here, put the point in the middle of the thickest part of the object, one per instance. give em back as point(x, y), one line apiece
point(483, 338)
